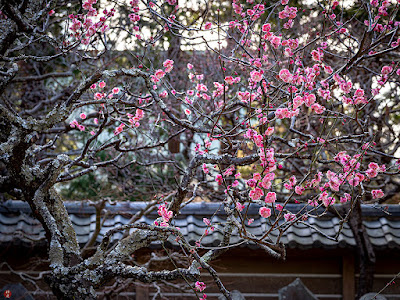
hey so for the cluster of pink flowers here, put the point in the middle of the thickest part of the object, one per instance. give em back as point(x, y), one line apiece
point(229, 171)
point(134, 120)
point(163, 94)
point(99, 95)
point(307, 99)
point(168, 65)
point(219, 89)
point(259, 182)
point(239, 206)
point(326, 200)
point(312, 202)
point(374, 169)
point(317, 55)
point(231, 80)
point(282, 113)
point(301, 83)
point(344, 85)
point(269, 36)
point(299, 189)
point(334, 181)
point(269, 131)
point(345, 198)
point(376, 194)
point(88, 5)
point(165, 214)
point(159, 73)
point(119, 129)
point(266, 182)
point(244, 96)
point(289, 217)
point(350, 166)
point(74, 123)
point(134, 17)
point(254, 12)
point(83, 26)
point(209, 225)
point(349, 173)
point(207, 26)
point(254, 136)
point(205, 169)
point(316, 180)
point(200, 286)
point(285, 75)
point(358, 98)
point(288, 12)
point(267, 159)
point(201, 87)
point(292, 182)
point(290, 44)
point(219, 179)
point(207, 145)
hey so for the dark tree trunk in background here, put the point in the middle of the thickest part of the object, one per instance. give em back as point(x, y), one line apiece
point(365, 253)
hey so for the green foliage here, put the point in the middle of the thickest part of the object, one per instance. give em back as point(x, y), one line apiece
point(84, 187)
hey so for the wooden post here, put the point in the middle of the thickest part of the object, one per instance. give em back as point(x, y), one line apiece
point(348, 277)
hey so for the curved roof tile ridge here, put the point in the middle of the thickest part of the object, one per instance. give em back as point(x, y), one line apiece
point(382, 224)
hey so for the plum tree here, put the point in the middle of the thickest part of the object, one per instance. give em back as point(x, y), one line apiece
point(244, 102)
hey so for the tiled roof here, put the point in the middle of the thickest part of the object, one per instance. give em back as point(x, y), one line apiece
point(18, 226)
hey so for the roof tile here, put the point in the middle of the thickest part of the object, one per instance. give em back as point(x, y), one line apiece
point(382, 228)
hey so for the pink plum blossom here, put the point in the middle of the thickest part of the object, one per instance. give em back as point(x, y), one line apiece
point(168, 65)
point(270, 197)
point(159, 73)
point(269, 131)
point(285, 75)
point(289, 217)
point(256, 194)
point(218, 178)
point(115, 90)
point(376, 194)
point(346, 198)
point(200, 286)
point(299, 190)
point(386, 70)
point(264, 212)
point(239, 206)
point(256, 76)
